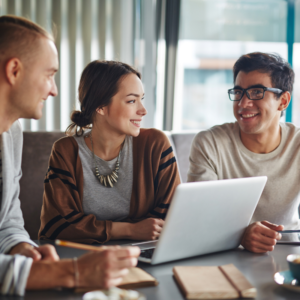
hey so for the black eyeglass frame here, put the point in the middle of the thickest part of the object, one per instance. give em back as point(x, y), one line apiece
point(273, 90)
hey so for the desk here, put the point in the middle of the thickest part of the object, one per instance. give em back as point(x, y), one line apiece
point(258, 269)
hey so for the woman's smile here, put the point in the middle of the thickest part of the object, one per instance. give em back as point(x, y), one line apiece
point(136, 123)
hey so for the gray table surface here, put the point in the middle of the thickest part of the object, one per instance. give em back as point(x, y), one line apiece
point(257, 268)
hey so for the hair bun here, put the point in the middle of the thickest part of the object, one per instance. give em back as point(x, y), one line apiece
point(79, 118)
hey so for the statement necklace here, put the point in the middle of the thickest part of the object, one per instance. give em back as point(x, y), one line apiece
point(111, 179)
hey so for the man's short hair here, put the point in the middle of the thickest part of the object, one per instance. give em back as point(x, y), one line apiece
point(280, 71)
point(18, 37)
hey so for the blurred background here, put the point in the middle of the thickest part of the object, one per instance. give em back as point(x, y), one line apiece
point(185, 50)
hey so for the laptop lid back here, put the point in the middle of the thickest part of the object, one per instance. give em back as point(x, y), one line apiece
point(206, 217)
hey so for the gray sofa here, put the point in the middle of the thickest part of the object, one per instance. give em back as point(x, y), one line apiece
point(36, 151)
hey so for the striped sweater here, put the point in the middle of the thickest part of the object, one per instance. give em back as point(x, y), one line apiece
point(155, 177)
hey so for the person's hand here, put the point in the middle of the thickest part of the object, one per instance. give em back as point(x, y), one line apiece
point(106, 268)
point(261, 237)
point(148, 229)
point(45, 252)
point(96, 269)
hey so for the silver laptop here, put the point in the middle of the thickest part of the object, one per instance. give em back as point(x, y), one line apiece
point(205, 217)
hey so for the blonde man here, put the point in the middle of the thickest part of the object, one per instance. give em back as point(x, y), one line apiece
point(28, 63)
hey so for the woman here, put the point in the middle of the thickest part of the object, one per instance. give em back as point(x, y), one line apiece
point(111, 179)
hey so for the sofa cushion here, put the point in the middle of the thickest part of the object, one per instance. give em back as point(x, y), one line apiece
point(183, 142)
point(36, 151)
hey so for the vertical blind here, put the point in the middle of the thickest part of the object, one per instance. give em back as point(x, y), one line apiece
point(86, 30)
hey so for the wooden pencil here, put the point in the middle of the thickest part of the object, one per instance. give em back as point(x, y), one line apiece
point(78, 246)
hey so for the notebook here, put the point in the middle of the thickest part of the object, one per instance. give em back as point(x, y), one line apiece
point(216, 282)
point(136, 278)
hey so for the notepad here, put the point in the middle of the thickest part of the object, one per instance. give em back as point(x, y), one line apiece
point(216, 282)
point(136, 278)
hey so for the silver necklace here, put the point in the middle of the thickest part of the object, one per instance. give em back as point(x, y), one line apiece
point(111, 179)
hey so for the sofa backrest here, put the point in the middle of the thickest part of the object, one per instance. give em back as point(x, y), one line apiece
point(182, 143)
point(36, 151)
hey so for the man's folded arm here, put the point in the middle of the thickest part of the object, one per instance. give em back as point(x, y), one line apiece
point(14, 272)
point(12, 231)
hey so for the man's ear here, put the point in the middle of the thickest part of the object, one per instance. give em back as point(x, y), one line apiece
point(13, 69)
point(285, 99)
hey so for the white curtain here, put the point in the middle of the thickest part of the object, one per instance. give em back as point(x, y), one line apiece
point(86, 30)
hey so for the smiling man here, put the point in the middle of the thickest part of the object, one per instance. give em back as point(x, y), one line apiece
point(256, 144)
point(28, 63)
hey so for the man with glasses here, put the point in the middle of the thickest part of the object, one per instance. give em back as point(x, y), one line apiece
point(256, 144)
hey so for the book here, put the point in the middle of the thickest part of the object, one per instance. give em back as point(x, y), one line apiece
point(213, 282)
point(136, 278)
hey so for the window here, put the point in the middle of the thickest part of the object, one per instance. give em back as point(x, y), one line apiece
point(212, 36)
point(296, 67)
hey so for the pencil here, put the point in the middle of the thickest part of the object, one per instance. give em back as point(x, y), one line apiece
point(289, 231)
point(78, 246)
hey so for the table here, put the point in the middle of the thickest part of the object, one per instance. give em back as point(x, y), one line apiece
point(257, 268)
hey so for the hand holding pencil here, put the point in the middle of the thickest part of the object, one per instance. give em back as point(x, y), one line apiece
point(103, 267)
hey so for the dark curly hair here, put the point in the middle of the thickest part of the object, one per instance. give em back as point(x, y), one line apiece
point(280, 71)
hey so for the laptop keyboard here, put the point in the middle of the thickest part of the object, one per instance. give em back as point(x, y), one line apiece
point(147, 253)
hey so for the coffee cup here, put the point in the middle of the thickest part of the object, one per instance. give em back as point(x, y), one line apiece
point(294, 264)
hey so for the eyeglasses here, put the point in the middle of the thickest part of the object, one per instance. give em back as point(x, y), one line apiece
point(253, 93)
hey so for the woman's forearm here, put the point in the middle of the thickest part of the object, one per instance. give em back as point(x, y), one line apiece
point(121, 230)
point(147, 229)
point(47, 275)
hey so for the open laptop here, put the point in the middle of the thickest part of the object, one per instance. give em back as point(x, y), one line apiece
point(205, 217)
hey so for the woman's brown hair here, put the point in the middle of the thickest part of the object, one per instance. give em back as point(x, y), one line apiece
point(99, 82)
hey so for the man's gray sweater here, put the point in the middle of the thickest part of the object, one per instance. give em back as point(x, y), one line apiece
point(14, 270)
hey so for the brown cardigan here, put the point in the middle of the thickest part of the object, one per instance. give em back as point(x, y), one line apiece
point(155, 177)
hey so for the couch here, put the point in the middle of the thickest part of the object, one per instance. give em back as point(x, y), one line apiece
point(36, 151)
